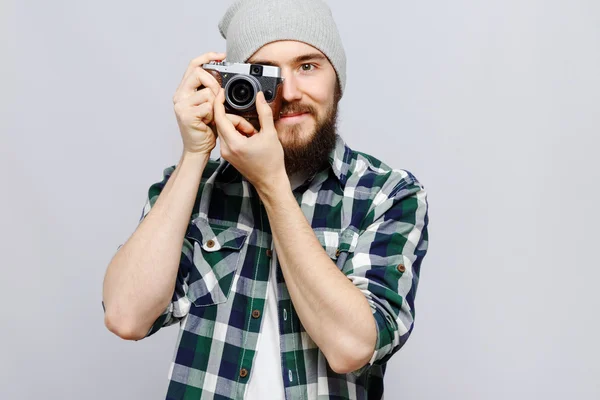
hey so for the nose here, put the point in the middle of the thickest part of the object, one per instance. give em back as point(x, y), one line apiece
point(291, 91)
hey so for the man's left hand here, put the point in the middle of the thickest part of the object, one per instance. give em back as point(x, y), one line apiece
point(258, 157)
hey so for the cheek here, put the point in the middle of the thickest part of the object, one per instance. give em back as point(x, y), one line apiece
point(323, 97)
point(320, 90)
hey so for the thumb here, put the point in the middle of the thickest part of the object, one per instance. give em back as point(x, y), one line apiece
point(265, 114)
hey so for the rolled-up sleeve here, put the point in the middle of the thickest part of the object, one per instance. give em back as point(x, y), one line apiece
point(386, 262)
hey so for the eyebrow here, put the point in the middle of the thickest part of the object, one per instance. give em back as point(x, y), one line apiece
point(299, 59)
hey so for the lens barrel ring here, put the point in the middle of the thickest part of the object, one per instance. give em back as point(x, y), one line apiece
point(232, 85)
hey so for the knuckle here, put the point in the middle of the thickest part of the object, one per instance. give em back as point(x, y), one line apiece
point(201, 110)
point(208, 107)
point(178, 108)
point(208, 95)
point(206, 114)
point(198, 60)
point(204, 58)
point(198, 78)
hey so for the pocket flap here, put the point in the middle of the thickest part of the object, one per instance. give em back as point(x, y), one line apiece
point(214, 238)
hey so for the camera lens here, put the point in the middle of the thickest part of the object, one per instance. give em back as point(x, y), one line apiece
point(241, 93)
point(241, 90)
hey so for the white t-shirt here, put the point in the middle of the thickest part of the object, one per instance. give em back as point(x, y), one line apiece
point(267, 382)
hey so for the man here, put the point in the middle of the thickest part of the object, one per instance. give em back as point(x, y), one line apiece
point(292, 262)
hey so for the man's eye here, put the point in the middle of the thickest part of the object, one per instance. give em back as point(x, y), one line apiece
point(307, 67)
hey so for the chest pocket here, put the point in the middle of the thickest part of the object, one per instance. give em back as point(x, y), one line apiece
point(217, 258)
point(337, 244)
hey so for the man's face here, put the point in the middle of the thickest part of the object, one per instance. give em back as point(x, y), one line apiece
point(306, 128)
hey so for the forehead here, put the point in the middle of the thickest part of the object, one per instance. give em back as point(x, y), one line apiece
point(286, 52)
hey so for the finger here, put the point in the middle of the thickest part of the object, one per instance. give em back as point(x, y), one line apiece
point(242, 125)
point(225, 150)
point(205, 95)
point(185, 109)
point(197, 79)
point(265, 114)
point(225, 127)
point(203, 59)
point(193, 67)
point(196, 116)
point(204, 112)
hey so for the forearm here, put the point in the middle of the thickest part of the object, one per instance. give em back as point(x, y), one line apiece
point(333, 311)
point(140, 279)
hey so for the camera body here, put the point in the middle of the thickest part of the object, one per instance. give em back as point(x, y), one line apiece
point(242, 82)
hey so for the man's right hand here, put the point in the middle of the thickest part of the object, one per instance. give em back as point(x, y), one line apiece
point(194, 108)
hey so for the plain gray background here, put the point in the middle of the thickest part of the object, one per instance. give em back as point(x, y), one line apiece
point(493, 105)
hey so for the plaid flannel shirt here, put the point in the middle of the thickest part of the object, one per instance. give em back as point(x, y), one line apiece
point(370, 219)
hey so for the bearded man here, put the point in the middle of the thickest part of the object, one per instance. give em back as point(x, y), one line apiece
point(291, 262)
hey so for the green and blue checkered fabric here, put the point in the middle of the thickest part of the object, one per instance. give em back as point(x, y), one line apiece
point(370, 219)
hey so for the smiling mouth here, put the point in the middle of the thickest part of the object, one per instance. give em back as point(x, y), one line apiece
point(296, 114)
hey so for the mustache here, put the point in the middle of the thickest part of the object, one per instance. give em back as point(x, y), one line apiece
point(292, 108)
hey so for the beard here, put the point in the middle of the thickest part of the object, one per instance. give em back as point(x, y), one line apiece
point(309, 155)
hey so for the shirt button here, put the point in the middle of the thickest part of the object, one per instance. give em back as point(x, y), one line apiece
point(255, 314)
point(401, 268)
point(269, 253)
point(210, 244)
point(244, 372)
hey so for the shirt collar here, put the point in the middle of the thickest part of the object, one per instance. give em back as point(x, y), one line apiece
point(339, 159)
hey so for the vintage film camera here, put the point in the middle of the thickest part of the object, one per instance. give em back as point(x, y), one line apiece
point(242, 82)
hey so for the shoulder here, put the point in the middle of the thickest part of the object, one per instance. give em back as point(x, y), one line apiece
point(377, 193)
point(368, 173)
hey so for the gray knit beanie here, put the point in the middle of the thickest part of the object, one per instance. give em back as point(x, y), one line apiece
point(250, 24)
